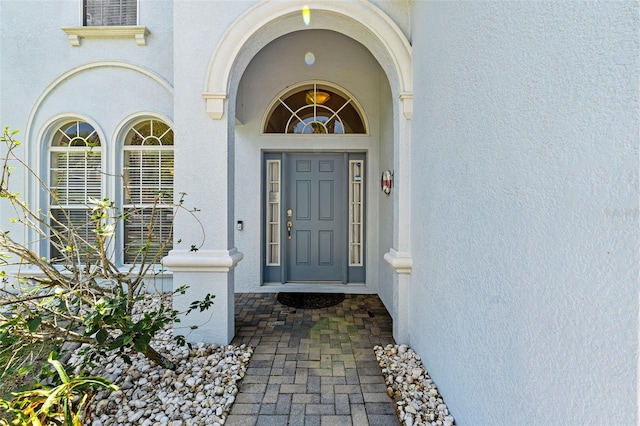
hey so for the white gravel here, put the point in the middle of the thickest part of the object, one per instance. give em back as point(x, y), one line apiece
point(418, 401)
point(199, 392)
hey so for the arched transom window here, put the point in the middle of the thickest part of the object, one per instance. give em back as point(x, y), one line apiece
point(315, 109)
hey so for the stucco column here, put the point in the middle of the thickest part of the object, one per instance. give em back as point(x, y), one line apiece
point(205, 272)
point(399, 257)
point(401, 264)
point(203, 257)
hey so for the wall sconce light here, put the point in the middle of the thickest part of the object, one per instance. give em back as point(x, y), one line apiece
point(386, 182)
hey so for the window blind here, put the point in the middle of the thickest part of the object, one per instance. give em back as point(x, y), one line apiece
point(70, 222)
point(148, 190)
point(75, 177)
point(147, 229)
point(110, 12)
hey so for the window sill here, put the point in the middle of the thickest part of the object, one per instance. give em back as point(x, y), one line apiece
point(76, 33)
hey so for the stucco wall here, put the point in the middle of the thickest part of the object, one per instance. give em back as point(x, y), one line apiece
point(204, 172)
point(525, 209)
point(399, 12)
point(384, 226)
point(34, 49)
point(43, 77)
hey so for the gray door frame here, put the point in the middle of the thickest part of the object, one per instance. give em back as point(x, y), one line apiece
point(279, 274)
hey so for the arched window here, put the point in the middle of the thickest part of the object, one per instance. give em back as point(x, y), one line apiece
point(75, 177)
point(315, 109)
point(148, 189)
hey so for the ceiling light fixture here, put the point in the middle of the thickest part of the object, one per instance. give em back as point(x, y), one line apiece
point(317, 97)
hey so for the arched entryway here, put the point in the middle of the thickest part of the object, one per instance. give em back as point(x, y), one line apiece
point(235, 95)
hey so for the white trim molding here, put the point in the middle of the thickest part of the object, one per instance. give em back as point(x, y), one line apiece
point(202, 260)
point(124, 31)
point(67, 75)
point(406, 98)
point(400, 261)
point(402, 264)
point(383, 35)
point(215, 104)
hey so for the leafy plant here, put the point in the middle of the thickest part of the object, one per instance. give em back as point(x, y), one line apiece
point(82, 295)
point(64, 404)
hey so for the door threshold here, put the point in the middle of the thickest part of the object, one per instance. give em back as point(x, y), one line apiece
point(316, 287)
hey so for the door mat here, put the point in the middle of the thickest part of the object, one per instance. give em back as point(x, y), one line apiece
point(310, 300)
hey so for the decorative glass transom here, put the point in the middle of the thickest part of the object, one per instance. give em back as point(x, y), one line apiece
point(315, 109)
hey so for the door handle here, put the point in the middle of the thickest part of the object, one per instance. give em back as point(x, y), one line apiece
point(289, 226)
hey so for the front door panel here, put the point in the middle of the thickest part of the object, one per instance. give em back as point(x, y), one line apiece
point(316, 240)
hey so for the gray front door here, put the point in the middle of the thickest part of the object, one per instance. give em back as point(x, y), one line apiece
point(315, 248)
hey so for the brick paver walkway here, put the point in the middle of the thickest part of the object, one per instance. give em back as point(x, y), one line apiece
point(312, 366)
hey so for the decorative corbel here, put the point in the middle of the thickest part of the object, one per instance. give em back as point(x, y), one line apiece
point(215, 104)
point(406, 98)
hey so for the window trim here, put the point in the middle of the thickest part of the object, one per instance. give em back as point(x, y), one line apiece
point(139, 33)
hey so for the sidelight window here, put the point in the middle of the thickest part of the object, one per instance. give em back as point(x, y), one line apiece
point(273, 213)
point(356, 213)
